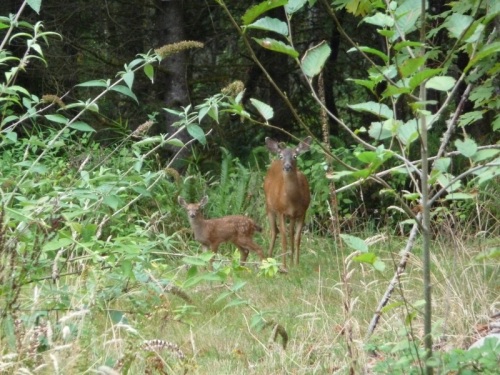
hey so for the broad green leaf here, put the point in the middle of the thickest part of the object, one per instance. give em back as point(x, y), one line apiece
point(406, 15)
point(355, 243)
point(381, 130)
point(60, 119)
point(94, 83)
point(112, 201)
point(407, 43)
point(457, 24)
point(277, 46)
point(372, 51)
point(487, 174)
point(469, 118)
point(485, 154)
point(420, 77)
point(466, 147)
point(128, 78)
point(372, 259)
point(200, 260)
point(380, 19)
point(442, 164)
point(82, 126)
point(294, 5)
point(443, 83)
point(270, 24)
point(367, 157)
point(458, 196)
point(486, 51)
point(57, 243)
point(445, 179)
point(264, 109)
point(410, 66)
point(197, 133)
point(257, 10)
point(149, 71)
point(314, 59)
point(374, 108)
point(175, 142)
point(125, 91)
point(407, 133)
point(35, 5)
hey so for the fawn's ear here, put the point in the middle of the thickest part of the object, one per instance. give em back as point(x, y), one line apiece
point(204, 201)
point(181, 201)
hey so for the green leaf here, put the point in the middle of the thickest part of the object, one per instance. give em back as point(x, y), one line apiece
point(467, 147)
point(380, 19)
point(270, 24)
point(407, 133)
point(374, 108)
point(255, 11)
point(82, 126)
point(443, 83)
point(197, 133)
point(485, 154)
point(149, 71)
point(458, 196)
point(355, 243)
point(112, 201)
point(486, 51)
point(442, 164)
point(373, 51)
point(60, 119)
point(406, 15)
point(128, 77)
point(35, 5)
point(56, 244)
point(264, 109)
point(125, 91)
point(294, 5)
point(277, 46)
point(314, 59)
point(410, 66)
point(372, 259)
point(381, 130)
point(444, 181)
point(94, 83)
point(421, 76)
point(457, 23)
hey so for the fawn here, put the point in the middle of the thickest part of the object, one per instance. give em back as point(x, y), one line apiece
point(211, 233)
point(287, 195)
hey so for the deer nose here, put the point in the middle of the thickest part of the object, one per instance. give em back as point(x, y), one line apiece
point(287, 167)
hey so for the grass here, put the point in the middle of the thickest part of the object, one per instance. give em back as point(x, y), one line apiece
point(217, 338)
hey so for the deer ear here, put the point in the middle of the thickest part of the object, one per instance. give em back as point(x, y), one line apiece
point(304, 145)
point(181, 201)
point(272, 145)
point(204, 201)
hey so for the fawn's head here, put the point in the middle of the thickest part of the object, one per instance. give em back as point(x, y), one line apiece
point(288, 155)
point(193, 209)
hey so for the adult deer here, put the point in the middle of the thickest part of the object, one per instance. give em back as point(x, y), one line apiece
point(287, 196)
point(211, 233)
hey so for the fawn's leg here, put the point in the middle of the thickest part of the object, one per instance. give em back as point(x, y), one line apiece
point(249, 244)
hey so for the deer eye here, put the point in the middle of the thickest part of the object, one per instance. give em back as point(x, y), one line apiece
point(295, 156)
point(281, 156)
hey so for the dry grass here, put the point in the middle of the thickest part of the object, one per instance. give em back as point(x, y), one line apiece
point(206, 336)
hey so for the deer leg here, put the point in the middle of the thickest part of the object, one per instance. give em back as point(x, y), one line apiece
point(250, 244)
point(298, 236)
point(272, 223)
point(243, 253)
point(283, 238)
point(292, 239)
